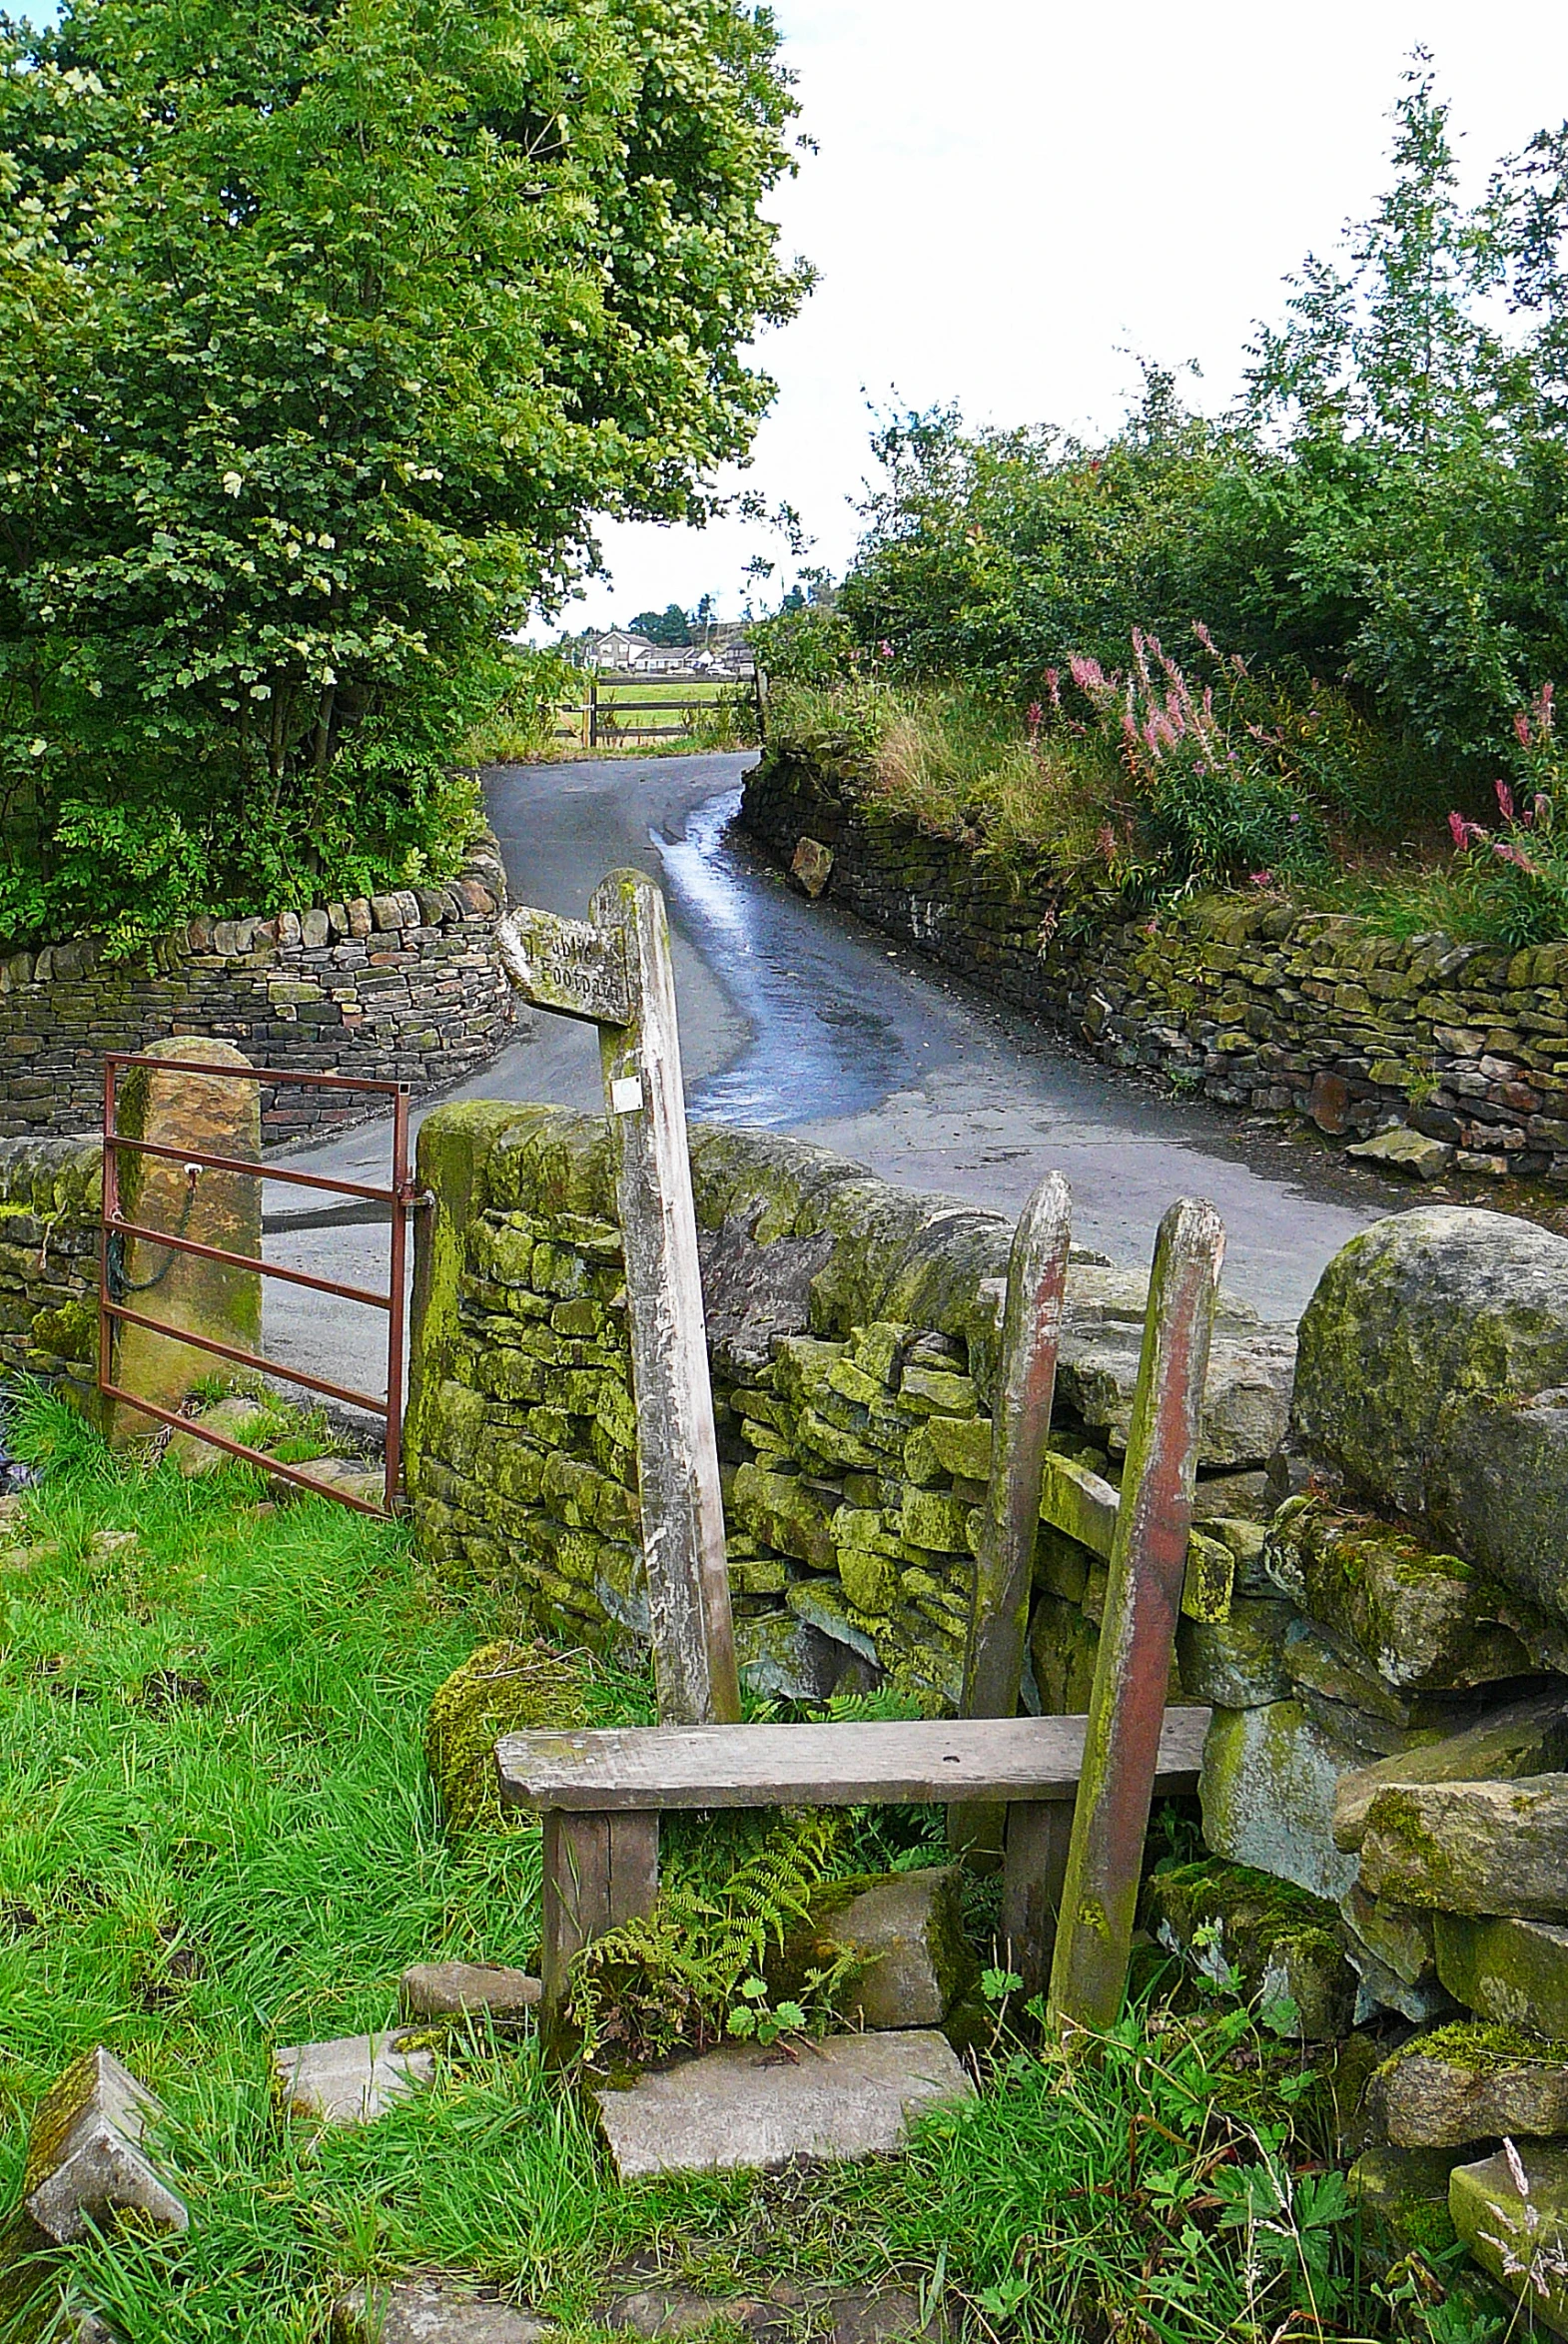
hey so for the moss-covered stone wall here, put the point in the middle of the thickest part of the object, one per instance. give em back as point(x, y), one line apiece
point(1253, 1005)
point(50, 1198)
point(853, 1335)
point(405, 987)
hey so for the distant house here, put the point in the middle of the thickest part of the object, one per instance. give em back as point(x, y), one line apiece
point(618, 647)
point(734, 659)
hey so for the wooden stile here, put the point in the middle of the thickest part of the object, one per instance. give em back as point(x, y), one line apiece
point(1137, 1630)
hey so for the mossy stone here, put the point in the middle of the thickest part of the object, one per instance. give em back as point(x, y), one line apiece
point(503, 1688)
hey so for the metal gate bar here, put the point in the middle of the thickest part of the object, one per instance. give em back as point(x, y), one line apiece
point(401, 1197)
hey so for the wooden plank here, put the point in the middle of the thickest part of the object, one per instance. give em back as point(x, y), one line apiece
point(1020, 1428)
point(1038, 1835)
point(568, 966)
point(636, 1767)
point(677, 1451)
point(1121, 1753)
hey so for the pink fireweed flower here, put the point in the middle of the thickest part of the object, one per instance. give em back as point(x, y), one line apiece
point(884, 650)
point(1054, 686)
point(1504, 799)
point(1261, 878)
point(1087, 675)
point(1506, 852)
point(1205, 637)
point(1463, 833)
point(1521, 727)
point(1035, 718)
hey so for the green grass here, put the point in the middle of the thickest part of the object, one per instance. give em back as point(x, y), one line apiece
point(217, 1834)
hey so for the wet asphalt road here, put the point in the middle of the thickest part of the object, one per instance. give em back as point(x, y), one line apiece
point(798, 1017)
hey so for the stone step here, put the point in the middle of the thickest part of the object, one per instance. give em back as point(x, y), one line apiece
point(742, 2108)
point(449, 1989)
point(430, 2311)
point(351, 2081)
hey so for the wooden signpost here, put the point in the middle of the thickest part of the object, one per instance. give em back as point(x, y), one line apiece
point(614, 970)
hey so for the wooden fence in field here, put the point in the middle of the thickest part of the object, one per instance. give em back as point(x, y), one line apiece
point(624, 705)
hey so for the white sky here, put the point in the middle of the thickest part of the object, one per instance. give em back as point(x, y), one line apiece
point(1009, 197)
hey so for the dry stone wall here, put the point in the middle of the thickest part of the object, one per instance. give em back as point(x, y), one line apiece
point(853, 1333)
point(1253, 1005)
point(50, 1197)
point(405, 987)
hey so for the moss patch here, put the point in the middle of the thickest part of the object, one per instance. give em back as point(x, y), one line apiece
point(502, 1687)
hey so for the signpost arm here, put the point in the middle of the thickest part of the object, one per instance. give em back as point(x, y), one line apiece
point(677, 1451)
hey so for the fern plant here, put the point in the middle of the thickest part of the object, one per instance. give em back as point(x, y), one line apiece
point(674, 1977)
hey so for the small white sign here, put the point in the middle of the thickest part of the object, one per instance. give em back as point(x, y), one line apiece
point(626, 1094)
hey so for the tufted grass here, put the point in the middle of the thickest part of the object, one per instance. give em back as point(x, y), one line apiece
point(217, 1834)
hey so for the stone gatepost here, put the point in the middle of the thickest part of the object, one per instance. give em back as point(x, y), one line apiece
point(185, 1111)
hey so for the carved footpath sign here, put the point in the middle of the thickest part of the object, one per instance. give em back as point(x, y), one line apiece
point(615, 972)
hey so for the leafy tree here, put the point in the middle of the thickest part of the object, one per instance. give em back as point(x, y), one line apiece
point(324, 337)
point(669, 627)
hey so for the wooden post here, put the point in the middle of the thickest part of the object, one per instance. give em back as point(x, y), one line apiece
point(1138, 1631)
point(600, 1870)
point(615, 972)
point(1020, 1429)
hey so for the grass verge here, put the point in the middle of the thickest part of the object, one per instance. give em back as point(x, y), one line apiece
point(217, 1834)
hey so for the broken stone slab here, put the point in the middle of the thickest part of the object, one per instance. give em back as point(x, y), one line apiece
point(1519, 2236)
point(740, 2108)
point(1405, 2190)
point(1273, 1940)
point(1267, 1787)
point(1492, 1848)
point(1426, 1622)
point(451, 1990)
point(349, 2080)
point(85, 2161)
point(430, 2311)
point(1401, 1150)
point(906, 1927)
point(1469, 2082)
point(1514, 1971)
point(1529, 1737)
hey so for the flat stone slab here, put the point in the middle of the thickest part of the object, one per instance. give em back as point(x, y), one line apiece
point(449, 1989)
point(351, 2081)
point(430, 2311)
point(740, 2108)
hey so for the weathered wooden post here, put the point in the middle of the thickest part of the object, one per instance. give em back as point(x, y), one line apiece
point(615, 972)
point(1142, 1600)
point(1020, 1429)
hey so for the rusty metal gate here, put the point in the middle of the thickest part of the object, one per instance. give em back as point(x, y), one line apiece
point(400, 1199)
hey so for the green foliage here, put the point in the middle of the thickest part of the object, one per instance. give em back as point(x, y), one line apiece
point(670, 628)
point(805, 643)
point(1378, 527)
point(538, 694)
point(321, 343)
point(676, 1975)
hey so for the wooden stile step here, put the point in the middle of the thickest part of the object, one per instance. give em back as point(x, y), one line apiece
point(631, 1768)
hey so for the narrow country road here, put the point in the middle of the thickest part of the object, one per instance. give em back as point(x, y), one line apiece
point(799, 1017)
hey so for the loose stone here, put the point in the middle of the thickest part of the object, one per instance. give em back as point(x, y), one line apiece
point(351, 2081)
point(1469, 2082)
point(1493, 1848)
point(440, 1990)
point(430, 2311)
point(85, 2162)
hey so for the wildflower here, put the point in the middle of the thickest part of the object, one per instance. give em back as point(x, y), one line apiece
point(1507, 852)
point(1054, 685)
point(1087, 675)
point(1261, 878)
point(884, 649)
point(1504, 799)
point(1464, 833)
point(1034, 718)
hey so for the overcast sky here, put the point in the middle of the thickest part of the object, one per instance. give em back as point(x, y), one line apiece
point(1010, 197)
